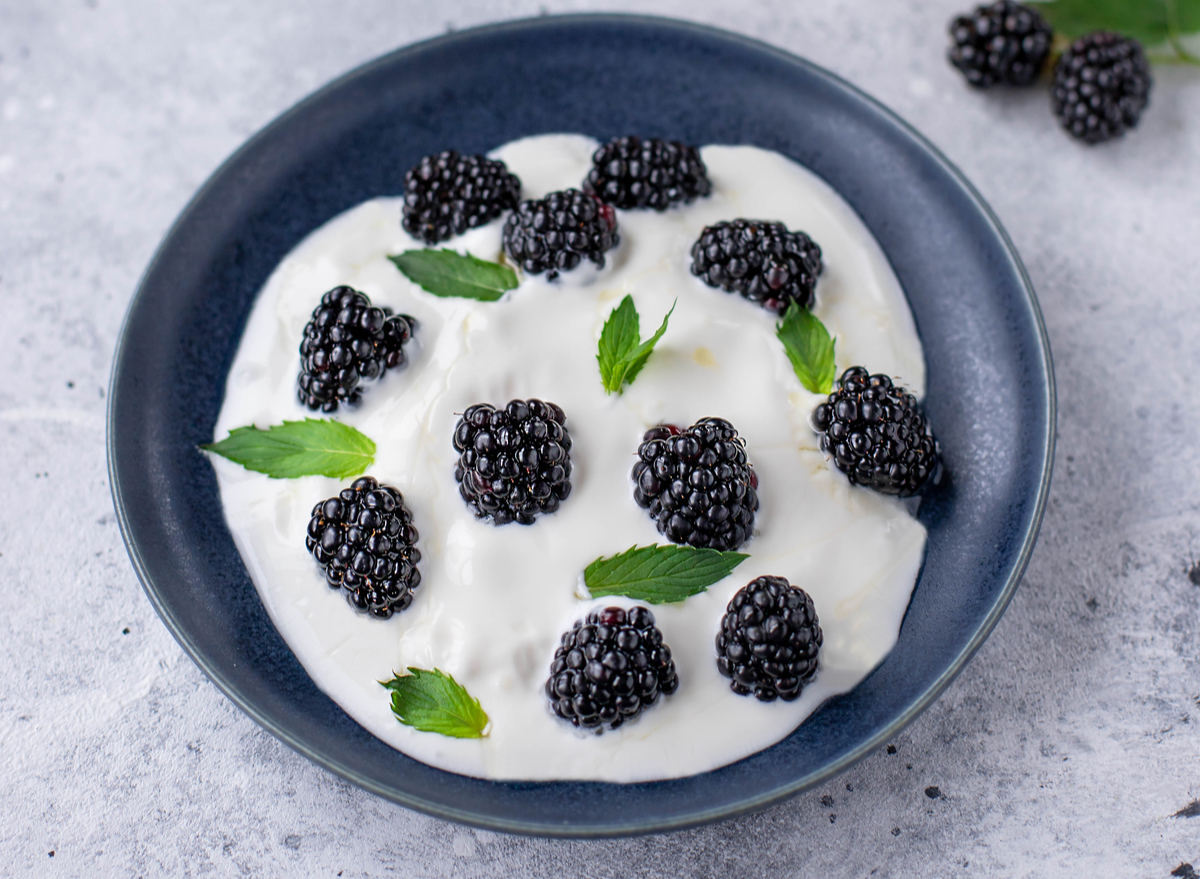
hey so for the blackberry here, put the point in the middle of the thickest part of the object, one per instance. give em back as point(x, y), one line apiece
point(1001, 42)
point(345, 341)
point(769, 640)
point(877, 434)
point(761, 260)
point(635, 172)
point(609, 668)
point(696, 484)
point(1101, 86)
point(515, 462)
point(447, 194)
point(365, 540)
point(554, 234)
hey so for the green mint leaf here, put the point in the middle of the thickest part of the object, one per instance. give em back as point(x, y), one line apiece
point(619, 354)
point(432, 701)
point(659, 574)
point(809, 347)
point(1149, 21)
point(447, 273)
point(312, 447)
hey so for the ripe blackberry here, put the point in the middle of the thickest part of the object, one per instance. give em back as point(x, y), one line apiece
point(610, 668)
point(447, 194)
point(515, 462)
point(345, 341)
point(555, 233)
point(877, 434)
point(1101, 86)
point(696, 484)
point(1002, 42)
point(761, 260)
point(365, 540)
point(769, 640)
point(635, 172)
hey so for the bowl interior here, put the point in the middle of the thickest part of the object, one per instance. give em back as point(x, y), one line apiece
point(602, 76)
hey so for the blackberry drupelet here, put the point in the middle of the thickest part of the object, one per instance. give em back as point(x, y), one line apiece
point(515, 462)
point(877, 434)
point(556, 233)
point(1000, 43)
point(761, 260)
point(636, 172)
point(769, 640)
point(610, 668)
point(348, 340)
point(697, 484)
point(1101, 86)
point(447, 194)
point(365, 540)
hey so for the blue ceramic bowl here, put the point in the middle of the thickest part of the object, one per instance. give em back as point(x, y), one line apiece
point(603, 76)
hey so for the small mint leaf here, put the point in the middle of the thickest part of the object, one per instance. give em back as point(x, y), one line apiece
point(448, 273)
point(1146, 20)
point(659, 574)
point(432, 701)
point(809, 347)
point(312, 447)
point(620, 356)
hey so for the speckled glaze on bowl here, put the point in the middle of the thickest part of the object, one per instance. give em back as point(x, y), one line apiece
point(604, 76)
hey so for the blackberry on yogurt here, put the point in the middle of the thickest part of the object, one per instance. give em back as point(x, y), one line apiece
point(762, 261)
point(647, 172)
point(877, 434)
point(769, 640)
point(348, 340)
point(609, 668)
point(446, 194)
point(556, 233)
point(514, 463)
point(697, 484)
point(365, 540)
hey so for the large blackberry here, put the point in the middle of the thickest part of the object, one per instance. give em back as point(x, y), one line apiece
point(610, 668)
point(1101, 86)
point(877, 434)
point(515, 462)
point(635, 172)
point(447, 194)
point(1002, 42)
point(769, 640)
point(345, 341)
point(365, 540)
point(554, 234)
point(761, 260)
point(696, 484)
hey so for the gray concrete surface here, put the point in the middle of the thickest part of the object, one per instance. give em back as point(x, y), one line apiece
point(1067, 748)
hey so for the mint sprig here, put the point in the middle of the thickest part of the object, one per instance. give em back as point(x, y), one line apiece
point(809, 347)
point(312, 447)
point(1152, 22)
point(432, 701)
point(659, 574)
point(620, 355)
point(447, 273)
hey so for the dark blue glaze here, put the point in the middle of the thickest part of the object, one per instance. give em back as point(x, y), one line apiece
point(603, 76)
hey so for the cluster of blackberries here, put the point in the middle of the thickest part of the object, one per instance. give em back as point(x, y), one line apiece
point(1101, 81)
point(514, 463)
point(348, 340)
point(365, 540)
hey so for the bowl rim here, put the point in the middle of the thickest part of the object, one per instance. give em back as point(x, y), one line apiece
point(691, 818)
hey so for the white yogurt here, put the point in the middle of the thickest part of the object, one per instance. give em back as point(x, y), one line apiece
point(493, 601)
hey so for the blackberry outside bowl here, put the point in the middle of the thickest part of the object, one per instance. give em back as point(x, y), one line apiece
point(604, 75)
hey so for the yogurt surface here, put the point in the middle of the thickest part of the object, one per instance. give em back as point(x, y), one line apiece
point(493, 601)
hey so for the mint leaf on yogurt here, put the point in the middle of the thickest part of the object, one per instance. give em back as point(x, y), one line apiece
point(447, 273)
point(432, 701)
point(312, 447)
point(809, 347)
point(659, 574)
point(620, 354)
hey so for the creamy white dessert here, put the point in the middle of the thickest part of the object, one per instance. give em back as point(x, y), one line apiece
point(494, 601)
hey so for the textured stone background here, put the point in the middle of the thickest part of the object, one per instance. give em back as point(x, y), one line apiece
point(1068, 747)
